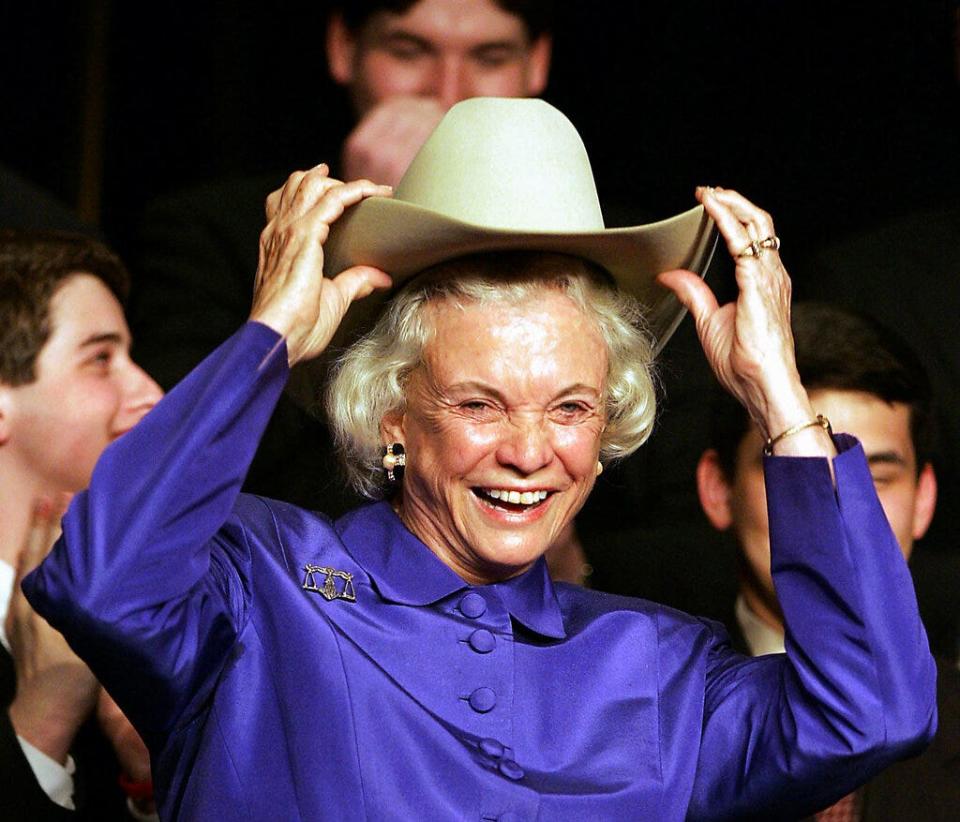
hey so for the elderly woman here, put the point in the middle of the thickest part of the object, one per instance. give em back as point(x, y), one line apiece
point(412, 660)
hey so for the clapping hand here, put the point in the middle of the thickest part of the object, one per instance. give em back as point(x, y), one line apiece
point(56, 691)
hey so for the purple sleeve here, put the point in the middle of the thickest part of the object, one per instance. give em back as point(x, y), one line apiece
point(856, 689)
point(146, 574)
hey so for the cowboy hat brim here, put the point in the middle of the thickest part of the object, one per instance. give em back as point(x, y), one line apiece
point(404, 238)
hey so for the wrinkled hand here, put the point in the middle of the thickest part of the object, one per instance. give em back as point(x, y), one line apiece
point(291, 295)
point(749, 343)
point(384, 143)
point(55, 690)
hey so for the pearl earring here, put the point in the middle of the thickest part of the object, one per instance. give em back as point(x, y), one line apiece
point(599, 468)
point(394, 461)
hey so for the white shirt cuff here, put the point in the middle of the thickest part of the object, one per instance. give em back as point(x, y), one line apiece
point(139, 815)
point(8, 575)
point(55, 779)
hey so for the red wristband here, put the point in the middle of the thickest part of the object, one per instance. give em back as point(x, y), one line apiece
point(137, 791)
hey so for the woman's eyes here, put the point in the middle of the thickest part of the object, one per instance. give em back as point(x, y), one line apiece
point(574, 411)
point(564, 412)
point(478, 408)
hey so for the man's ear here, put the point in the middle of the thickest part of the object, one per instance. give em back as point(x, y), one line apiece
point(714, 490)
point(926, 500)
point(538, 65)
point(6, 414)
point(6, 407)
point(341, 49)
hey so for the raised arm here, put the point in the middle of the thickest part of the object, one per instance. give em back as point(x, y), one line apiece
point(856, 689)
point(148, 576)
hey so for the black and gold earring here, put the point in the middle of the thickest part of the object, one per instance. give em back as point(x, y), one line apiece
point(393, 462)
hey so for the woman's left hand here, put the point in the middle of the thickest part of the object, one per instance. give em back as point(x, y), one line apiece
point(749, 343)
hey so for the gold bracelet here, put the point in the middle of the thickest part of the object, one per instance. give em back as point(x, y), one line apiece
point(821, 420)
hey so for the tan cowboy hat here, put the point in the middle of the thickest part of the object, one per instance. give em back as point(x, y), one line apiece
point(503, 174)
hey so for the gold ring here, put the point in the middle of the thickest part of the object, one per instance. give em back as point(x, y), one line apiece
point(752, 250)
point(757, 246)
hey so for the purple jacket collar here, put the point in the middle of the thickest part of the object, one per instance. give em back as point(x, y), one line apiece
point(406, 571)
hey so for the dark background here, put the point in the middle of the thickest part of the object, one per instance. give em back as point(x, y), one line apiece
point(832, 116)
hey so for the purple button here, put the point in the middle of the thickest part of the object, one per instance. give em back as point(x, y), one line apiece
point(483, 700)
point(492, 747)
point(511, 770)
point(482, 641)
point(473, 605)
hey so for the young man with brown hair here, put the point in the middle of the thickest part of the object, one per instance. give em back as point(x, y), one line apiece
point(68, 388)
point(868, 383)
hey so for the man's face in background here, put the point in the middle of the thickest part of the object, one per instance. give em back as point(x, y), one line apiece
point(446, 50)
point(906, 491)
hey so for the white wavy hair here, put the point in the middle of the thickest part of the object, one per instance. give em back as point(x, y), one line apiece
point(369, 379)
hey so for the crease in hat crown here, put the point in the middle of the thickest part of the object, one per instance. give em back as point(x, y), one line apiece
point(530, 165)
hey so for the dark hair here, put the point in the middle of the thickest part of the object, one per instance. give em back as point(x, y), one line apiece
point(842, 350)
point(537, 15)
point(33, 265)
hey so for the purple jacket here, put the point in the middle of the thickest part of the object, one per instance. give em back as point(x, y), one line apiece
point(282, 666)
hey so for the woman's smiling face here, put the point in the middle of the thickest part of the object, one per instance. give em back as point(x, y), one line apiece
point(501, 431)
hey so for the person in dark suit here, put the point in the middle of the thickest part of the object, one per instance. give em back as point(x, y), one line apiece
point(67, 389)
point(904, 273)
point(866, 381)
point(403, 63)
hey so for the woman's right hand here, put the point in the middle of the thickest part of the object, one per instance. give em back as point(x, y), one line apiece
point(291, 295)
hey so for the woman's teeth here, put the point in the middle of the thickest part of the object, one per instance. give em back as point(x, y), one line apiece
point(516, 497)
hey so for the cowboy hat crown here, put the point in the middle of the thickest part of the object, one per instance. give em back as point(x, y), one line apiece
point(506, 174)
point(529, 159)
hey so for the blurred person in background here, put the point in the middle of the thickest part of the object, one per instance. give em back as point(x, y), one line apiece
point(68, 388)
point(868, 382)
point(403, 63)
